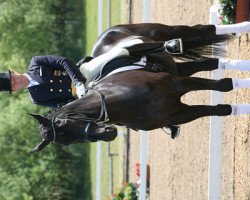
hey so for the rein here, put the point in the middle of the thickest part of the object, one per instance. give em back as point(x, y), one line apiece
point(90, 121)
point(103, 108)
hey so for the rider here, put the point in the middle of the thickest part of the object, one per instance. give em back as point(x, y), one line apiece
point(54, 80)
point(48, 80)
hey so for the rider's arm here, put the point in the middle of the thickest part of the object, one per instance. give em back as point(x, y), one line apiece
point(60, 63)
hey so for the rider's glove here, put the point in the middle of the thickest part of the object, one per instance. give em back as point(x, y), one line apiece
point(80, 89)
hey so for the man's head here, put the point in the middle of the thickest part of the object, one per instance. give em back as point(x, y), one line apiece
point(12, 81)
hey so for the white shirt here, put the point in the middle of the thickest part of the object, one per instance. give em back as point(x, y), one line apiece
point(32, 81)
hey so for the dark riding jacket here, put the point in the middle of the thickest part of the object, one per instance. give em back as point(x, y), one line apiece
point(56, 76)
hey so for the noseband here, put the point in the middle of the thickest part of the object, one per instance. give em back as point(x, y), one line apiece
point(90, 121)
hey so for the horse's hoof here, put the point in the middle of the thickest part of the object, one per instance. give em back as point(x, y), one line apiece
point(175, 131)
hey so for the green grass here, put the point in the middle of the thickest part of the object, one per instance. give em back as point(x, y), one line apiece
point(118, 16)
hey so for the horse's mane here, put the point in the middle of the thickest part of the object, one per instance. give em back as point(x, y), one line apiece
point(73, 115)
point(51, 113)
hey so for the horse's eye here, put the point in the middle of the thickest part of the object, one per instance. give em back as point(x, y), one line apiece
point(48, 135)
point(60, 123)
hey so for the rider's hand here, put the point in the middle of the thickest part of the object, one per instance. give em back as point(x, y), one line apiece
point(80, 89)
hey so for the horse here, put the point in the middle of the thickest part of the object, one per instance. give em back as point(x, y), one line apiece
point(141, 99)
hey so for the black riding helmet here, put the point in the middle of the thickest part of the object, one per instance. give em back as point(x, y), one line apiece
point(5, 84)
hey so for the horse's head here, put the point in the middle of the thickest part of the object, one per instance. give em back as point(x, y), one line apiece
point(70, 130)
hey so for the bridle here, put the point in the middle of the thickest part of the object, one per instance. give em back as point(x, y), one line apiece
point(104, 112)
point(90, 121)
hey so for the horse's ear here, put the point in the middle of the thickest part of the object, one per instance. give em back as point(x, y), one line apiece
point(40, 146)
point(42, 120)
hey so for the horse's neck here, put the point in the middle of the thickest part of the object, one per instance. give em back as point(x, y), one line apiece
point(88, 105)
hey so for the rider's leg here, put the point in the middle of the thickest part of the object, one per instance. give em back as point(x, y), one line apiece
point(142, 49)
point(243, 27)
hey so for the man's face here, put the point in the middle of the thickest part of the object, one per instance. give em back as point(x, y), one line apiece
point(18, 81)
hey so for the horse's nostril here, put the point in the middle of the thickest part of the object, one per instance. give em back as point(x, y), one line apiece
point(109, 129)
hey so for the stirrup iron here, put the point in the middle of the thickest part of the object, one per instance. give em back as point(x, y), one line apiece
point(174, 46)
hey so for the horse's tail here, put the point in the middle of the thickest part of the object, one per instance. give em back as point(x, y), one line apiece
point(203, 47)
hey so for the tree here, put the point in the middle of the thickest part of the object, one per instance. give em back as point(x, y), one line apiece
point(28, 28)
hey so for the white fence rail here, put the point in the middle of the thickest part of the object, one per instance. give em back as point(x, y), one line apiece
point(215, 135)
point(98, 145)
point(144, 136)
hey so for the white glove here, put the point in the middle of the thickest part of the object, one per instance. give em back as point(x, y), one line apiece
point(80, 90)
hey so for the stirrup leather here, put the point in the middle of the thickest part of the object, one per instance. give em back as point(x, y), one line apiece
point(174, 46)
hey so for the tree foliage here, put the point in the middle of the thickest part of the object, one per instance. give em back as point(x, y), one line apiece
point(28, 28)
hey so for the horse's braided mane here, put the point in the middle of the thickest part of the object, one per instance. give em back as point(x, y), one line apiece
point(51, 112)
point(69, 115)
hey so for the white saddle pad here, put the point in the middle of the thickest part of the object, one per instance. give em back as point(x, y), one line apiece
point(142, 62)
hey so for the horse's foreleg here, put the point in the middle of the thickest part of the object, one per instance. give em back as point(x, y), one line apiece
point(243, 27)
point(186, 84)
point(190, 113)
point(192, 67)
point(209, 64)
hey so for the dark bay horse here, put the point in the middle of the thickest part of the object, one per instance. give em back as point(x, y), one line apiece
point(139, 99)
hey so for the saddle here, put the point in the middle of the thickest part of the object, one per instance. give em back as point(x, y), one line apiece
point(124, 61)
